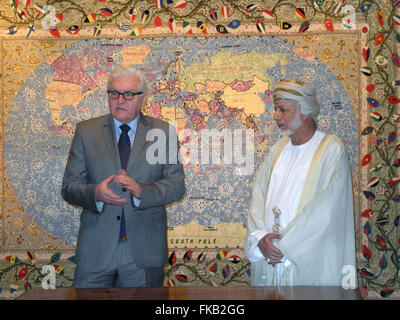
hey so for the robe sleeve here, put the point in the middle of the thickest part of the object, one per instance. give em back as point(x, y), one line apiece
point(256, 215)
point(254, 253)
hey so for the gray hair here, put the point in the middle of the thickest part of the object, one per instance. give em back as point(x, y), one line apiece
point(303, 93)
point(121, 71)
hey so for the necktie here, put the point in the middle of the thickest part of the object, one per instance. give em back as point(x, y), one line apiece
point(124, 147)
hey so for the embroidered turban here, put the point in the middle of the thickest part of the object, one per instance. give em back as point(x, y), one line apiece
point(303, 93)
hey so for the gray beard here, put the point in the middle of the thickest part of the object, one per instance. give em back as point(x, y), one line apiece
point(296, 123)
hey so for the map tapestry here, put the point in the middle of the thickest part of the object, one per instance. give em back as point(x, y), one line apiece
point(215, 90)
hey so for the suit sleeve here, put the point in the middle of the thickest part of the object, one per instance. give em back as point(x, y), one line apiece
point(75, 187)
point(170, 188)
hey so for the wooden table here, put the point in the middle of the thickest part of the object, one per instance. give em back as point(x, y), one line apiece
point(195, 293)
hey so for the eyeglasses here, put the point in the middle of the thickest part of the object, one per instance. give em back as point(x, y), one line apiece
point(128, 95)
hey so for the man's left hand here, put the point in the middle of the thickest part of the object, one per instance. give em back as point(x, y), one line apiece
point(129, 183)
point(269, 250)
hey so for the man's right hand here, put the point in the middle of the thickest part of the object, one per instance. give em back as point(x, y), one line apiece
point(269, 251)
point(105, 194)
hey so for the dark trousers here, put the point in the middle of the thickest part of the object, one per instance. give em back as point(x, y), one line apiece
point(120, 272)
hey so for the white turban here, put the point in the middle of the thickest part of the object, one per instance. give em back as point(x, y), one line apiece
point(303, 93)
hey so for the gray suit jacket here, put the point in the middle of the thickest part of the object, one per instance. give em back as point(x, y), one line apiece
point(93, 157)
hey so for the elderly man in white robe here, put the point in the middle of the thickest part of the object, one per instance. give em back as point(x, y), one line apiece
point(306, 180)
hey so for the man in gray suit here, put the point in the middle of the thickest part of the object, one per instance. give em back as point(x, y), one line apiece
point(121, 189)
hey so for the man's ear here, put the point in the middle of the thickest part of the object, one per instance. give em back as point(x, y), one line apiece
point(308, 119)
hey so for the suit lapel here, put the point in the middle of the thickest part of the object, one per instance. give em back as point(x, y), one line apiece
point(110, 141)
point(139, 144)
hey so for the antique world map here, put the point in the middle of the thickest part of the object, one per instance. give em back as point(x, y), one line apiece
point(199, 84)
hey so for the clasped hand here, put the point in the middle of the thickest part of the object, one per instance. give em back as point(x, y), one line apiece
point(105, 194)
point(269, 251)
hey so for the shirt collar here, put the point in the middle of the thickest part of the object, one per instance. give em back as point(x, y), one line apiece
point(132, 124)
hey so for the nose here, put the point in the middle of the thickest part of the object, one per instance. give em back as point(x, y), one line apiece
point(121, 98)
point(277, 114)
